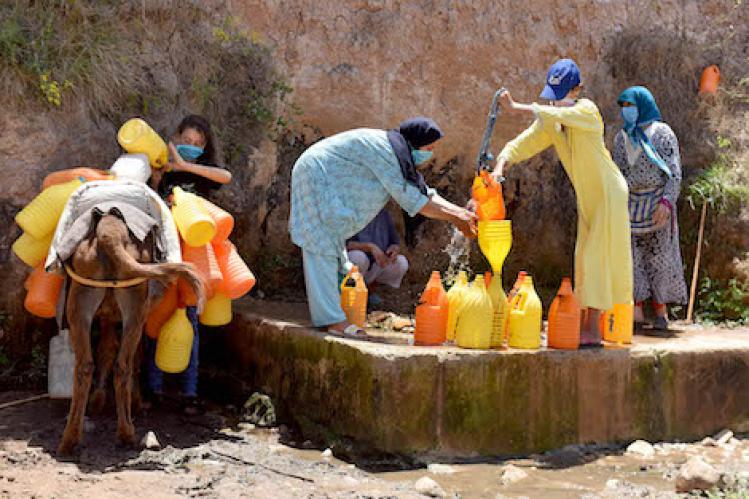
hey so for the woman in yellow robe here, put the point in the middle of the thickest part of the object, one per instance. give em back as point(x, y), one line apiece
point(603, 260)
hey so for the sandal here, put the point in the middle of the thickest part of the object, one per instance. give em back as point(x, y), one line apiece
point(350, 331)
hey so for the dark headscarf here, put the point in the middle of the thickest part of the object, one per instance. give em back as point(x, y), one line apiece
point(411, 134)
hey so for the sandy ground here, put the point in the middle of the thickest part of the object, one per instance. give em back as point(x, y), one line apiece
point(215, 456)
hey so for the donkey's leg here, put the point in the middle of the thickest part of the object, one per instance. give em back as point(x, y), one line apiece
point(106, 354)
point(82, 305)
point(132, 303)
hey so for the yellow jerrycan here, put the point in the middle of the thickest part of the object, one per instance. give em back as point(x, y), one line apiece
point(196, 226)
point(499, 303)
point(30, 250)
point(454, 300)
point(474, 329)
point(495, 241)
point(354, 296)
point(618, 323)
point(175, 343)
point(136, 136)
point(525, 317)
point(39, 218)
point(217, 311)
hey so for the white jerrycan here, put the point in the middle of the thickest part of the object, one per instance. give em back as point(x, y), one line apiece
point(61, 367)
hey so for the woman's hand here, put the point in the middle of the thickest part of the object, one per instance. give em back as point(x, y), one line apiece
point(380, 257)
point(465, 221)
point(499, 170)
point(392, 252)
point(505, 100)
point(177, 163)
point(661, 214)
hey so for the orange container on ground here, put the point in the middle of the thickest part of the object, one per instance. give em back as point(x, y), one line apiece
point(62, 176)
point(354, 296)
point(431, 313)
point(204, 260)
point(487, 193)
point(238, 279)
point(161, 312)
point(710, 80)
point(564, 319)
point(223, 219)
point(43, 293)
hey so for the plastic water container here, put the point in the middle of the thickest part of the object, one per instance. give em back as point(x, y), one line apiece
point(30, 250)
point(499, 303)
point(238, 279)
point(487, 193)
point(217, 311)
point(618, 324)
point(63, 176)
point(175, 343)
point(495, 241)
point(709, 80)
point(222, 218)
point(564, 319)
point(39, 218)
point(525, 317)
point(474, 329)
point(455, 299)
point(204, 260)
point(137, 136)
point(60, 366)
point(432, 313)
point(194, 223)
point(43, 293)
point(161, 312)
point(354, 297)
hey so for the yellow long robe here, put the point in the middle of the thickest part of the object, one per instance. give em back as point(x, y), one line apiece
point(603, 258)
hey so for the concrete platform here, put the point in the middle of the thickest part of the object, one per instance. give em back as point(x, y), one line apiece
point(369, 400)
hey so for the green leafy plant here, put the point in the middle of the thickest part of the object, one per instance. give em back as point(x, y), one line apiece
point(718, 186)
point(723, 301)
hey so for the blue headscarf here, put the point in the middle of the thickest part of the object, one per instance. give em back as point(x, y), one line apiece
point(647, 113)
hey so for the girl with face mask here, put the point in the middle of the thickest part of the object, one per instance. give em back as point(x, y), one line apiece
point(647, 152)
point(574, 127)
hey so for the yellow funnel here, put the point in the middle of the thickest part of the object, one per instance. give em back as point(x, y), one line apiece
point(495, 241)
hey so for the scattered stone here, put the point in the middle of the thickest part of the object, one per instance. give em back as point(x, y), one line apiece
point(150, 441)
point(327, 454)
point(246, 427)
point(259, 410)
point(511, 474)
point(723, 437)
point(400, 323)
point(709, 442)
point(428, 487)
point(696, 474)
point(641, 448)
point(613, 483)
point(440, 469)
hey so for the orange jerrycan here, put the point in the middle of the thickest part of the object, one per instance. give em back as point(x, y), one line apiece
point(136, 136)
point(30, 250)
point(354, 297)
point(432, 313)
point(39, 217)
point(204, 260)
point(525, 317)
point(222, 218)
point(161, 312)
point(44, 290)
point(499, 304)
point(238, 279)
point(487, 193)
point(564, 319)
point(175, 343)
point(454, 300)
point(217, 311)
point(709, 80)
point(474, 329)
point(617, 324)
point(195, 224)
point(495, 241)
point(62, 176)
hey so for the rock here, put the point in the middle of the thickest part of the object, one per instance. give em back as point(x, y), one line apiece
point(696, 474)
point(259, 410)
point(150, 441)
point(511, 474)
point(641, 448)
point(429, 487)
point(440, 469)
point(246, 427)
point(709, 442)
point(327, 453)
point(400, 323)
point(723, 437)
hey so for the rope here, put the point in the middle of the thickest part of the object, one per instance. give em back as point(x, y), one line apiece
point(113, 283)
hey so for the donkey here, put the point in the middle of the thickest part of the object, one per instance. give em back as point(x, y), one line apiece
point(112, 267)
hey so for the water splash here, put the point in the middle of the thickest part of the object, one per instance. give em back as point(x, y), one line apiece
point(459, 252)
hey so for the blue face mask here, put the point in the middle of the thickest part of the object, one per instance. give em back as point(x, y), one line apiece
point(629, 115)
point(189, 152)
point(420, 157)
